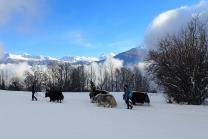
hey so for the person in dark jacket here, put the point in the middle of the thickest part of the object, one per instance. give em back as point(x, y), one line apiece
point(127, 95)
point(92, 86)
point(33, 93)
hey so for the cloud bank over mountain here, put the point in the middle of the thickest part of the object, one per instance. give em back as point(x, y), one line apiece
point(171, 21)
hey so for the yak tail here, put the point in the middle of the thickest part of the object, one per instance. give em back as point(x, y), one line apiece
point(113, 102)
point(147, 100)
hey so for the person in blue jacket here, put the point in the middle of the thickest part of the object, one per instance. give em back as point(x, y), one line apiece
point(127, 95)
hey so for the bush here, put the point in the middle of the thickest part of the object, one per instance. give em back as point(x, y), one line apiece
point(15, 84)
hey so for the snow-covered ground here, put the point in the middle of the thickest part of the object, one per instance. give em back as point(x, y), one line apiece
point(77, 118)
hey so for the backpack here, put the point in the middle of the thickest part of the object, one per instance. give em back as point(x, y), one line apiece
point(130, 93)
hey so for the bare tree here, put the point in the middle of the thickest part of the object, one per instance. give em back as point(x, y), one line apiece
point(37, 77)
point(78, 79)
point(180, 64)
point(140, 81)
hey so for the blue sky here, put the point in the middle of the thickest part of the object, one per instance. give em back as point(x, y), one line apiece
point(78, 27)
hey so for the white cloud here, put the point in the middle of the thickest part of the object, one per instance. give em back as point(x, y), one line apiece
point(104, 56)
point(170, 22)
point(98, 70)
point(113, 63)
point(142, 67)
point(22, 8)
point(14, 70)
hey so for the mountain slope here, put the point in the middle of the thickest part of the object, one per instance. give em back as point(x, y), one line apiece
point(132, 56)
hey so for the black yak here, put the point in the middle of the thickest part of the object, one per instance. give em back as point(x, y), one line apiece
point(54, 95)
point(140, 97)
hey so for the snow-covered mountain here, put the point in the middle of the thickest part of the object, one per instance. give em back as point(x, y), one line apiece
point(79, 59)
point(44, 60)
point(15, 59)
point(130, 57)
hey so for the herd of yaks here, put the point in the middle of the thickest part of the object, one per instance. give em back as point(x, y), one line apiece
point(101, 97)
point(105, 99)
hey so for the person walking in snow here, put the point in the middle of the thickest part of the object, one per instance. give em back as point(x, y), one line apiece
point(33, 93)
point(127, 95)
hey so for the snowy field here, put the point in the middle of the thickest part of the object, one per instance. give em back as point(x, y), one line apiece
point(77, 118)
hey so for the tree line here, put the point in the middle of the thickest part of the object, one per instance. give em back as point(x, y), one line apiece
point(70, 78)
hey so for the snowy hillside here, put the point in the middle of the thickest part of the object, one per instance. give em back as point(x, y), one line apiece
point(77, 118)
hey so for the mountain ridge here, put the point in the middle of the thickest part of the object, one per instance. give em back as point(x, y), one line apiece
point(130, 57)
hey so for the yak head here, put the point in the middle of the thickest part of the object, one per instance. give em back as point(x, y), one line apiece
point(46, 94)
point(91, 95)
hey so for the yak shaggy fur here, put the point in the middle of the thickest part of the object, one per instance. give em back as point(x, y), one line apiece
point(105, 100)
